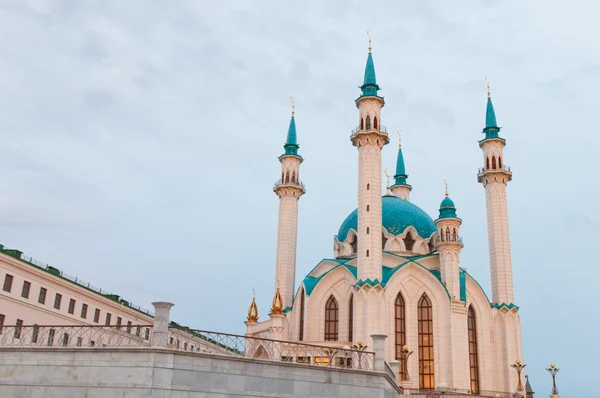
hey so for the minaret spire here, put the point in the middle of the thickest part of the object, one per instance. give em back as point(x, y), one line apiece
point(369, 87)
point(401, 188)
point(289, 189)
point(491, 129)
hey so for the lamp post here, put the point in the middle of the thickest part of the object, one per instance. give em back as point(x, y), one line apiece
point(519, 368)
point(404, 354)
point(360, 348)
point(553, 370)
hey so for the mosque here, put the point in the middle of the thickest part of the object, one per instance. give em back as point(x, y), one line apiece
point(396, 270)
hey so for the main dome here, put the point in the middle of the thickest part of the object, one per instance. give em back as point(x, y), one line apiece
point(397, 214)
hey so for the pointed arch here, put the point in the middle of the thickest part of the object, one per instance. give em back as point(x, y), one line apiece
point(368, 122)
point(499, 162)
point(287, 177)
point(493, 162)
point(354, 244)
point(301, 322)
point(487, 163)
point(400, 330)
point(293, 177)
point(331, 319)
point(473, 360)
point(368, 186)
point(454, 236)
point(426, 364)
point(351, 318)
point(261, 353)
point(375, 122)
point(408, 241)
point(383, 241)
point(362, 124)
point(448, 234)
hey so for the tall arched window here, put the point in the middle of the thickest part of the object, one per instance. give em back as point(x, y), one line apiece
point(487, 163)
point(367, 230)
point(375, 122)
point(493, 162)
point(448, 234)
point(301, 323)
point(362, 124)
point(368, 122)
point(408, 242)
point(425, 316)
point(293, 177)
point(354, 244)
point(368, 187)
point(287, 177)
point(400, 328)
point(351, 319)
point(499, 162)
point(454, 237)
point(367, 253)
point(331, 320)
point(473, 364)
point(383, 241)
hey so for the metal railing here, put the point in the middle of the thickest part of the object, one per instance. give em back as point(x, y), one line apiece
point(448, 238)
point(269, 349)
point(278, 182)
point(357, 129)
point(497, 168)
point(75, 336)
point(455, 393)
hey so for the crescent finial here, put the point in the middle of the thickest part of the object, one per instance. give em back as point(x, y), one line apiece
point(293, 105)
point(446, 184)
point(369, 34)
point(487, 83)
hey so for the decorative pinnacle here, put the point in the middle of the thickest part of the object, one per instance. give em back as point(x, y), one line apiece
point(369, 34)
point(446, 183)
point(399, 139)
point(388, 182)
point(293, 105)
point(487, 83)
point(253, 294)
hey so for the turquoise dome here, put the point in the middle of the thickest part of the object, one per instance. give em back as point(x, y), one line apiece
point(447, 208)
point(397, 215)
point(447, 202)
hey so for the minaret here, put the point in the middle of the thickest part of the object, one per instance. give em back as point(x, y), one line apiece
point(289, 189)
point(369, 138)
point(494, 176)
point(401, 188)
point(449, 245)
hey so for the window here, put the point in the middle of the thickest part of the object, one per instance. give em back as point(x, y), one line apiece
point(301, 323)
point(362, 124)
point(375, 122)
point(473, 364)
point(351, 319)
point(8, 282)
point(65, 340)
point(83, 311)
point(119, 320)
point(42, 297)
point(147, 334)
point(487, 163)
point(107, 319)
point(400, 328)
point(2, 317)
point(79, 341)
point(368, 187)
point(368, 207)
point(35, 334)
point(57, 300)
point(493, 162)
point(367, 230)
point(425, 316)
point(408, 242)
point(26, 288)
point(51, 333)
point(293, 176)
point(448, 234)
point(367, 253)
point(331, 320)
point(71, 306)
point(499, 162)
point(128, 326)
point(97, 315)
point(18, 328)
point(368, 122)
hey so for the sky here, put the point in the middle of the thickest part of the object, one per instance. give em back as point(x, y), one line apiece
point(140, 143)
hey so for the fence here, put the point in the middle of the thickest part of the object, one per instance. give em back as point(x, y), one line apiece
point(268, 349)
point(455, 393)
point(75, 336)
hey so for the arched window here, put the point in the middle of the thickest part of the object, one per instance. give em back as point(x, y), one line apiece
point(487, 163)
point(493, 162)
point(431, 245)
point(400, 328)
point(425, 316)
point(294, 177)
point(454, 237)
point(499, 162)
point(367, 230)
point(331, 320)
point(375, 122)
point(383, 241)
point(301, 323)
point(368, 122)
point(368, 207)
point(448, 234)
point(473, 364)
point(354, 244)
point(368, 187)
point(442, 238)
point(351, 319)
point(362, 124)
point(282, 176)
point(408, 242)
point(287, 177)
point(367, 253)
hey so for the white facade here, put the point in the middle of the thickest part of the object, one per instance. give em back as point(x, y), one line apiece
point(396, 271)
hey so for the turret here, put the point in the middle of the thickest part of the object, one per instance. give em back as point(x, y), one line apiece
point(289, 189)
point(401, 188)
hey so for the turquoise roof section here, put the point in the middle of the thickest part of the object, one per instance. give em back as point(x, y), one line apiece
point(401, 175)
point(291, 145)
point(397, 215)
point(310, 281)
point(447, 208)
point(369, 87)
point(491, 129)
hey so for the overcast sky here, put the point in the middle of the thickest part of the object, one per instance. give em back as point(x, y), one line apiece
point(140, 143)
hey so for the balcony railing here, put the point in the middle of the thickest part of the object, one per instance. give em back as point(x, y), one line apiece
point(455, 393)
point(503, 167)
point(356, 129)
point(448, 238)
point(278, 182)
point(75, 336)
point(268, 349)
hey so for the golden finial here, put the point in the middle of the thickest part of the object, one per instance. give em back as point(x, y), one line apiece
point(253, 310)
point(277, 305)
point(388, 182)
point(399, 139)
point(293, 105)
point(487, 83)
point(369, 34)
point(446, 183)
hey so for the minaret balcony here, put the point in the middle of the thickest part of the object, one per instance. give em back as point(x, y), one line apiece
point(381, 129)
point(291, 184)
point(445, 238)
point(503, 170)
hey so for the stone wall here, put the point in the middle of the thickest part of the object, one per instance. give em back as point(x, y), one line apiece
point(162, 373)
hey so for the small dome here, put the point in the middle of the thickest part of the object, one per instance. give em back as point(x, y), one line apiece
point(397, 215)
point(447, 208)
point(447, 202)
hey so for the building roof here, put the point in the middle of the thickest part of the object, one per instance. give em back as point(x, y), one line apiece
point(397, 215)
point(447, 208)
point(369, 87)
point(291, 145)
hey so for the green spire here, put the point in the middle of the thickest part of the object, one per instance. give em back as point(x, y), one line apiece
point(491, 127)
point(291, 146)
point(401, 175)
point(369, 86)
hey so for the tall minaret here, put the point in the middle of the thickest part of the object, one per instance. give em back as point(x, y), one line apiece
point(494, 176)
point(401, 188)
point(289, 189)
point(369, 138)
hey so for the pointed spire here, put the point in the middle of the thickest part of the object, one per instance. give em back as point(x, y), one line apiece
point(277, 305)
point(253, 310)
point(369, 87)
point(291, 146)
point(401, 175)
point(491, 126)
